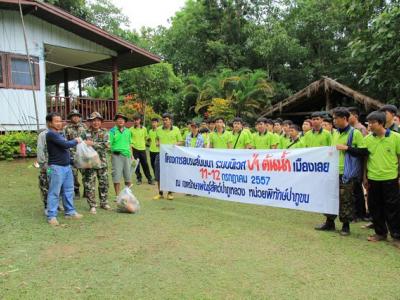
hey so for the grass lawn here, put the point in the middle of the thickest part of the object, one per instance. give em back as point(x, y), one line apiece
point(189, 248)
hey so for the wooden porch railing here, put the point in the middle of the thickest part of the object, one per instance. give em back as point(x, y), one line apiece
point(64, 105)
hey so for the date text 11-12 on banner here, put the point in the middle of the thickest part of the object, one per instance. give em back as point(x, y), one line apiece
point(305, 179)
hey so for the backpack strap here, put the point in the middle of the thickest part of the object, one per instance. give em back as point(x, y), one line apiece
point(350, 138)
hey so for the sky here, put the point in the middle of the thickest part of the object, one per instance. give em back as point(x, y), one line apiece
point(149, 13)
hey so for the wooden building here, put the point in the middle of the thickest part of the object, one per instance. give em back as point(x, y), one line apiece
point(321, 95)
point(62, 48)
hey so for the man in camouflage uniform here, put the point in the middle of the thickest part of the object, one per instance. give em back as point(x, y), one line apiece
point(71, 131)
point(42, 159)
point(99, 137)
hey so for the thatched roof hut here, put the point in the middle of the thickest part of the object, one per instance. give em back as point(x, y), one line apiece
point(323, 94)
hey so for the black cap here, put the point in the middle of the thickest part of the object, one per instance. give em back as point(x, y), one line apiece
point(119, 115)
point(74, 112)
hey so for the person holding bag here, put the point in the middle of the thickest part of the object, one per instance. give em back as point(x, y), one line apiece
point(61, 180)
point(99, 137)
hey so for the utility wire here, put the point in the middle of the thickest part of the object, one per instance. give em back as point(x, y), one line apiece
point(30, 67)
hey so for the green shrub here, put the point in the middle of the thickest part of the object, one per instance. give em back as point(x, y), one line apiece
point(9, 144)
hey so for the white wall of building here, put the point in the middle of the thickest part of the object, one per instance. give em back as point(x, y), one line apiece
point(17, 111)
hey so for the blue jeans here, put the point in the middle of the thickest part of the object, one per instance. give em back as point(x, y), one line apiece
point(61, 181)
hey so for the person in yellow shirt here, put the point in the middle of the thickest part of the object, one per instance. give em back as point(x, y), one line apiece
point(241, 138)
point(167, 135)
point(221, 138)
point(151, 140)
point(327, 124)
point(317, 136)
point(349, 142)
point(264, 139)
point(295, 140)
point(381, 178)
point(270, 128)
point(211, 124)
point(138, 145)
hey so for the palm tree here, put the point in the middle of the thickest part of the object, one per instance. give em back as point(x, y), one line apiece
point(248, 92)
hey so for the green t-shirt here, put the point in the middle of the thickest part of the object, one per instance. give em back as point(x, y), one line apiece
point(284, 141)
point(221, 141)
point(120, 141)
point(382, 163)
point(241, 140)
point(152, 135)
point(206, 137)
point(319, 138)
point(185, 131)
point(138, 140)
point(264, 141)
point(341, 139)
point(295, 144)
point(193, 141)
point(169, 136)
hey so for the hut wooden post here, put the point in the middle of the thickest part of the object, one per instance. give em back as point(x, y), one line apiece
point(328, 103)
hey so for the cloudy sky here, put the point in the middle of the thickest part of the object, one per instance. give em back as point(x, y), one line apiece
point(149, 13)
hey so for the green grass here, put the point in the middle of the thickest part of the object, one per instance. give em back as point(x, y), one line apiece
point(189, 248)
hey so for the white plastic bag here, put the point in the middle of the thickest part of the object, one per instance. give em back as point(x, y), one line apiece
point(127, 202)
point(86, 157)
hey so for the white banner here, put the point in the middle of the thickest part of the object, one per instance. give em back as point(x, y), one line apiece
point(305, 179)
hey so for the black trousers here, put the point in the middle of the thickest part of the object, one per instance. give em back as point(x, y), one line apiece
point(141, 155)
point(384, 206)
point(360, 210)
point(153, 156)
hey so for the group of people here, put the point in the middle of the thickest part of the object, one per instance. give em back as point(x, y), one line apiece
point(368, 158)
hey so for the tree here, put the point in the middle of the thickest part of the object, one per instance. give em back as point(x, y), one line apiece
point(221, 108)
point(156, 85)
point(248, 93)
point(378, 48)
point(107, 16)
point(209, 34)
point(134, 106)
point(75, 7)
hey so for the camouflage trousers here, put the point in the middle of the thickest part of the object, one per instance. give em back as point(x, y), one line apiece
point(89, 183)
point(75, 172)
point(43, 186)
point(346, 202)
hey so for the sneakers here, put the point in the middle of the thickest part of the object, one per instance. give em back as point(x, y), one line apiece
point(345, 229)
point(75, 216)
point(158, 197)
point(77, 195)
point(170, 196)
point(92, 210)
point(377, 238)
point(327, 226)
point(139, 182)
point(53, 222)
point(151, 182)
point(106, 207)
